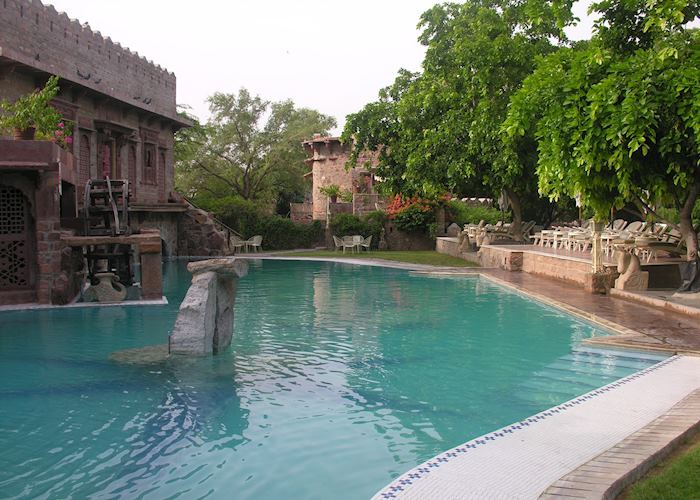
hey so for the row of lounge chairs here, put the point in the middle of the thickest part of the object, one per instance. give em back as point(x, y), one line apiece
point(354, 242)
point(482, 232)
point(639, 237)
point(643, 239)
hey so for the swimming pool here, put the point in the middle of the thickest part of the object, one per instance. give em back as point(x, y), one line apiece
point(338, 379)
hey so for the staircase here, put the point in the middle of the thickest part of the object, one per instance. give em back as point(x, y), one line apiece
point(204, 235)
point(583, 370)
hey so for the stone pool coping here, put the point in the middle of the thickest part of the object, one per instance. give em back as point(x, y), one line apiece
point(82, 305)
point(609, 473)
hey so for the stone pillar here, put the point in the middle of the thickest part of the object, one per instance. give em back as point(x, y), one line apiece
point(48, 235)
point(151, 270)
point(204, 324)
point(597, 247)
point(225, 297)
point(440, 221)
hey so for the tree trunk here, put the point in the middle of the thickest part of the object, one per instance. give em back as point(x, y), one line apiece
point(689, 233)
point(690, 271)
point(517, 214)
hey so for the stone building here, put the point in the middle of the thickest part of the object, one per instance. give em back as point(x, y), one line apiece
point(123, 111)
point(327, 157)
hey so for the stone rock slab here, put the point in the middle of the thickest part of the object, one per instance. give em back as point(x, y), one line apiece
point(219, 266)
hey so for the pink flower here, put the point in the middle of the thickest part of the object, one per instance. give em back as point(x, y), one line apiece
point(53, 139)
point(61, 125)
point(58, 133)
point(69, 140)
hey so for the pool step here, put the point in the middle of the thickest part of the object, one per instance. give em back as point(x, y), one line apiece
point(580, 371)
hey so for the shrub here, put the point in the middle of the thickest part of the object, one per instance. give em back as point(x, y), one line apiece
point(33, 110)
point(279, 233)
point(376, 217)
point(415, 217)
point(412, 214)
point(461, 213)
point(349, 224)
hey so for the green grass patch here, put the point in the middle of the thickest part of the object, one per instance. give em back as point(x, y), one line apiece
point(428, 257)
point(677, 477)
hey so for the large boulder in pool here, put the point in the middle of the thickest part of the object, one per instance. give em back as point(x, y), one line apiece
point(204, 323)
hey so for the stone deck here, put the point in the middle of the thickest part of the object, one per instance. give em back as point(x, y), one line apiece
point(559, 263)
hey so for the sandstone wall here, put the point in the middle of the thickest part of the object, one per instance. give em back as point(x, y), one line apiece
point(328, 157)
point(42, 38)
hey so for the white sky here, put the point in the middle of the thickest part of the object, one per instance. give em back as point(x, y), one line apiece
point(329, 55)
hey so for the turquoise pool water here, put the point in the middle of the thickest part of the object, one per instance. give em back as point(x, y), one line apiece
point(339, 378)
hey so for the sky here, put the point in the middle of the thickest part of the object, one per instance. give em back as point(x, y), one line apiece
point(328, 55)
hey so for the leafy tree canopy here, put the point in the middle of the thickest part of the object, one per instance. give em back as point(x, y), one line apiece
point(250, 148)
point(617, 119)
point(440, 129)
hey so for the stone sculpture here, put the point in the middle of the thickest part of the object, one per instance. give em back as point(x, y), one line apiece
point(382, 240)
point(453, 230)
point(204, 324)
point(108, 289)
point(464, 245)
point(631, 275)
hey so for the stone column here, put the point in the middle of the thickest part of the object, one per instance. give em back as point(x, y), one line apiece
point(151, 270)
point(204, 324)
point(597, 247)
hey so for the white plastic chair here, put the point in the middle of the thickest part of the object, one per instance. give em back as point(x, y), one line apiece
point(236, 243)
point(348, 242)
point(255, 243)
point(366, 243)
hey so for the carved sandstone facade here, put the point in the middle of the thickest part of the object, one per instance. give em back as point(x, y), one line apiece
point(123, 111)
point(327, 157)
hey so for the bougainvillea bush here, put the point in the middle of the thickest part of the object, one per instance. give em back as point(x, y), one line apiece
point(412, 214)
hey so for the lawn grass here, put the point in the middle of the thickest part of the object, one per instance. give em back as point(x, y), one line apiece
point(677, 477)
point(429, 257)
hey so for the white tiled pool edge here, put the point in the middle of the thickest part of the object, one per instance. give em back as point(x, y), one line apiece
point(523, 459)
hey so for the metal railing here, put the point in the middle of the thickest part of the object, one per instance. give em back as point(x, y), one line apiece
point(221, 226)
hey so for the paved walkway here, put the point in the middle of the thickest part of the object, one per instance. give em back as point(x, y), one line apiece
point(521, 460)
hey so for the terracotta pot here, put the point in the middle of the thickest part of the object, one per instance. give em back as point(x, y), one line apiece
point(26, 134)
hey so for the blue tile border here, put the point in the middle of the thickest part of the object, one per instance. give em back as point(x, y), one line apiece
point(403, 482)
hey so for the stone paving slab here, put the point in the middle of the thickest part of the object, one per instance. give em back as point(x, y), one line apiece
point(631, 458)
point(520, 461)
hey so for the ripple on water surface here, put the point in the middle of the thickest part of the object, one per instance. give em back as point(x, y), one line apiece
point(338, 379)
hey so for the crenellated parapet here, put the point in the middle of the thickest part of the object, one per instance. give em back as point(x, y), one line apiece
point(36, 35)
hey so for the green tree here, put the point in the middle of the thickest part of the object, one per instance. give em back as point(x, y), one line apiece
point(617, 118)
point(250, 148)
point(440, 129)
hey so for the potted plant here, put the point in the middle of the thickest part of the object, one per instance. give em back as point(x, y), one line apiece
point(32, 113)
point(332, 191)
point(346, 196)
